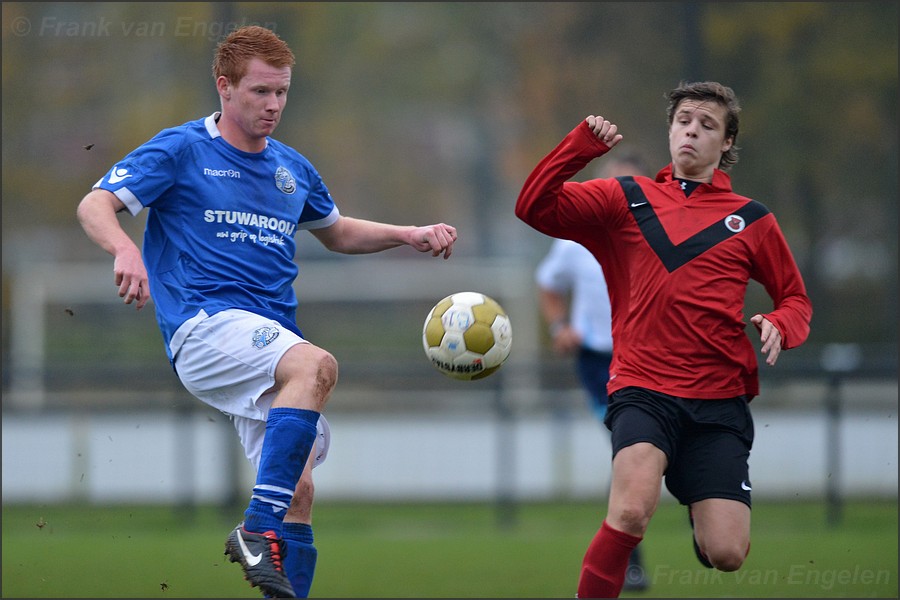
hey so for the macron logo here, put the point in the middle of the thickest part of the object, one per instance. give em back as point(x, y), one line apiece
point(222, 173)
point(118, 175)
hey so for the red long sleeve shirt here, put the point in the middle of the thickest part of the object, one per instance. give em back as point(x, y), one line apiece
point(676, 267)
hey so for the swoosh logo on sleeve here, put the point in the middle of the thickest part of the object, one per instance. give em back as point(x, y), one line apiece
point(118, 175)
point(745, 486)
point(636, 204)
point(252, 559)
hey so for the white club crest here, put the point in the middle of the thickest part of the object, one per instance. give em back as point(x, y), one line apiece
point(735, 223)
point(284, 181)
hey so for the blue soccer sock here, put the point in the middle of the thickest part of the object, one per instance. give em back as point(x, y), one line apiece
point(300, 558)
point(290, 435)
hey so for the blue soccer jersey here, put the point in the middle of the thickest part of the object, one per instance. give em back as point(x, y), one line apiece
point(221, 223)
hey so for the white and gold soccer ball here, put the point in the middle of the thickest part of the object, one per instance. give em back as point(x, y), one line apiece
point(467, 335)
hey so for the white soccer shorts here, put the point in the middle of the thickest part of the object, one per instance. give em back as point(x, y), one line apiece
point(228, 361)
point(252, 432)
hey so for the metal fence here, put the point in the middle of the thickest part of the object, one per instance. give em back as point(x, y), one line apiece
point(81, 366)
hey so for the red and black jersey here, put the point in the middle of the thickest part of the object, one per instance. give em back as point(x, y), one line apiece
point(677, 269)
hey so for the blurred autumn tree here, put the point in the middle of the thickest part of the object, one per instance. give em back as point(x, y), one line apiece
point(438, 111)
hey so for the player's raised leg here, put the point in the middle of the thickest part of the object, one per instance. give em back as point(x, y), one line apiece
point(304, 379)
point(721, 532)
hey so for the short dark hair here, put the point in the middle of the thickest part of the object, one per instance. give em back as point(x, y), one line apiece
point(715, 92)
point(235, 51)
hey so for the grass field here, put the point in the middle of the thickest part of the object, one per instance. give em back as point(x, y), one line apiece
point(440, 551)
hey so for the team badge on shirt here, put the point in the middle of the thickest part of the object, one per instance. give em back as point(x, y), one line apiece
point(284, 181)
point(264, 336)
point(735, 223)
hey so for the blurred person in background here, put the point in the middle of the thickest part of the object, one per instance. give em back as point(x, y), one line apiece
point(225, 201)
point(574, 303)
point(678, 251)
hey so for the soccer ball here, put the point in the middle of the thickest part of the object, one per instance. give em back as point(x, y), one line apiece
point(467, 336)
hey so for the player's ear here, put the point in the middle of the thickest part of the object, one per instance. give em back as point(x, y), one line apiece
point(727, 144)
point(223, 86)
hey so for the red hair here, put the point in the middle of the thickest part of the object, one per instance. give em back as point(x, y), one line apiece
point(235, 51)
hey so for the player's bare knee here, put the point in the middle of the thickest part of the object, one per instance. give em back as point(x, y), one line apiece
point(309, 376)
point(727, 560)
point(326, 373)
point(634, 519)
point(727, 564)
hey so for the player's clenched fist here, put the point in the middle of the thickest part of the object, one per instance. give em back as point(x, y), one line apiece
point(606, 131)
point(437, 238)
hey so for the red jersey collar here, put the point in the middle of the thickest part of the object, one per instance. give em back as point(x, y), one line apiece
point(721, 181)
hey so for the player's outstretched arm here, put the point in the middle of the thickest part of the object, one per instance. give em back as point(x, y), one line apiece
point(358, 236)
point(97, 213)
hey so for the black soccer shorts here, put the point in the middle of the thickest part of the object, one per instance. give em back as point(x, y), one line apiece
point(707, 442)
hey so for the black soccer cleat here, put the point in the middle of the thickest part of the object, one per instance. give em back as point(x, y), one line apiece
point(262, 557)
point(700, 556)
point(635, 578)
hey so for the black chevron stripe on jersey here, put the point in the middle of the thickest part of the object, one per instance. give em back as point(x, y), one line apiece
point(674, 256)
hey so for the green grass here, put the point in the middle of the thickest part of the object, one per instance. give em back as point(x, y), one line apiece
point(440, 551)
